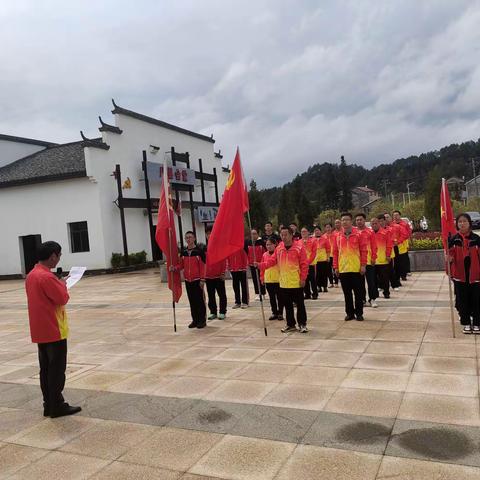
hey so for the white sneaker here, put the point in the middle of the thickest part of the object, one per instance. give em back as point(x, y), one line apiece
point(396, 289)
point(467, 329)
point(257, 298)
point(244, 305)
point(373, 304)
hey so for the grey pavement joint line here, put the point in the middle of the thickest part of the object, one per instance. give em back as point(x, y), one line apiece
point(382, 436)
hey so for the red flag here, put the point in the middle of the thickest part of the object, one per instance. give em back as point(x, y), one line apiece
point(166, 238)
point(227, 236)
point(448, 220)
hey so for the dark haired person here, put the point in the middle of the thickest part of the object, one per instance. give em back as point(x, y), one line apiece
point(310, 246)
point(465, 271)
point(47, 296)
point(269, 233)
point(255, 248)
point(350, 260)
point(322, 265)
point(403, 244)
point(294, 228)
point(395, 265)
point(192, 262)
point(292, 264)
point(215, 281)
point(237, 264)
point(329, 233)
point(384, 251)
point(370, 276)
point(270, 277)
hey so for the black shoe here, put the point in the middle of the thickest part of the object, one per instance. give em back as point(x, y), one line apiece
point(360, 318)
point(288, 329)
point(315, 297)
point(64, 410)
point(307, 297)
point(280, 317)
point(193, 325)
point(325, 289)
point(46, 410)
point(386, 296)
point(349, 317)
point(273, 317)
point(201, 325)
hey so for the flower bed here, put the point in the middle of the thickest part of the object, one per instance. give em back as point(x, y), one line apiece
point(426, 244)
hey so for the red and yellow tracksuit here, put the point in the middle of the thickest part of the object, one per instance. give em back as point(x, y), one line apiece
point(323, 268)
point(271, 278)
point(310, 246)
point(385, 251)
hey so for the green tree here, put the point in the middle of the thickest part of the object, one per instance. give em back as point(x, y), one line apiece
point(304, 212)
point(327, 216)
point(330, 193)
point(414, 210)
point(286, 213)
point(345, 202)
point(258, 211)
point(432, 198)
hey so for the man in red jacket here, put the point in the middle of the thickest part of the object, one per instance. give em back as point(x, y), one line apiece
point(47, 296)
point(215, 279)
point(255, 248)
point(192, 262)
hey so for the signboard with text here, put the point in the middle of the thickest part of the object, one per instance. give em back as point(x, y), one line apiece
point(176, 174)
point(207, 214)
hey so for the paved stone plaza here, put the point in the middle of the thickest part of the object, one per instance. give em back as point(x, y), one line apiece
point(392, 397)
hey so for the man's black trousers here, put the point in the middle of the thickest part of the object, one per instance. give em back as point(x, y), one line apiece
point(276, 300)
point(324, 270)
point(352, 286)
point(52, 358)
point(256, 279)
point(197, 302)
point(291, 296)
point(239, 281)
point(310, 288)
point(216, 285)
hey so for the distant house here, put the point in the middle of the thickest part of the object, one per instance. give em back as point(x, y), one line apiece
point(472, 187)
point(363, 197)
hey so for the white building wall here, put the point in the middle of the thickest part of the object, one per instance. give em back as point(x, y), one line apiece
point(46, 209)
point(11, 151)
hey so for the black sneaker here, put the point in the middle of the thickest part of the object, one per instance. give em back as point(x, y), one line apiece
point(315, 297)
point(64, 410)
point(288, 329)
point(386, 295)
point(46, 410)
point(201, 325)
point(193, 325)
point(360, 318)
point(307, 297)
point(349, 317)
point(325, 289)
point(280, 317)
point(273, 317)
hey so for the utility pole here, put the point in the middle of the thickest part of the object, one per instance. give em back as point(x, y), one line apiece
point(474, 174)
point(403, 195)
point(393, 200)
point(385, 183)
point(408, 190)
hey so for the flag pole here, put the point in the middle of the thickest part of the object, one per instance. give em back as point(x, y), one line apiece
point(166, 194)
point(448, 268)
point(256, 274)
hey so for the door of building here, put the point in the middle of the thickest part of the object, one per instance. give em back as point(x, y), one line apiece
point(157, 253)
point(30, 244)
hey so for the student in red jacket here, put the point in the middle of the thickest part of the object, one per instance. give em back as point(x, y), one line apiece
point(322, 266)
point(255, 250)
point(395, 268)
point(350, 260)
point(47, 296)
point(270, 277)
point(464, 257)
point(370, 276)
point(192, 262)
point(404, 237)
point(215, 280)
point(329, 234)
point(293, 267)
point(310, 246)
point(384, 252)
point(237, 265)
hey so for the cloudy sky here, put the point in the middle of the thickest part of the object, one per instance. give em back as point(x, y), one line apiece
point(293, 82)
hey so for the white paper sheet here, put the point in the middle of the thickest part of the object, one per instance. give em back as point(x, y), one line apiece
point(76, 273)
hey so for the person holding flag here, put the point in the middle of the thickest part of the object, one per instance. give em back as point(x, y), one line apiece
point(464, 260)
point(270, 277)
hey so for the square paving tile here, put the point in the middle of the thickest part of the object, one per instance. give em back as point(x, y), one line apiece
point(434, 442)
point(377, 403)
point(407, 469)
point(188, 387)
point(376, 380)
point(140, 384)
point(264, 372)
point(285, 357)
point(310, 397)
point(240, 354)
point(99, 380)
point(393, 348)
point(350, 432)
point(108, 439)
point(61, 465)
point(310, 375)
point(440, 408)
point(172, 448)
point(448, 350)
point(217, 369)
point(443, 384)
point(343, 345)
point(275, 423)
point(130, 471)
point(15, 457)
point(310, 462)
point(463, 366)
point(219, 417)
point(240, 458)
point(240, 391)
point(333, 359)
point(13, 421)
point(386, 362)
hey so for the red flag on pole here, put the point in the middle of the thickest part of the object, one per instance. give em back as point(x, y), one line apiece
point(166, 237)
point(227, 236)
point(447, 218)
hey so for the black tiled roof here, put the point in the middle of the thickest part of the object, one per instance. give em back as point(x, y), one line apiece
point(160, 123)
point(31, 141)
point(54, 163)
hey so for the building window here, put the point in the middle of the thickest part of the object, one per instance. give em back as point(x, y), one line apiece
point(79, 237)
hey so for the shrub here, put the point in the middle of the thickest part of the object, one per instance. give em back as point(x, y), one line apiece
point(136, 258)
point(423, 235)
point(427, 244)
